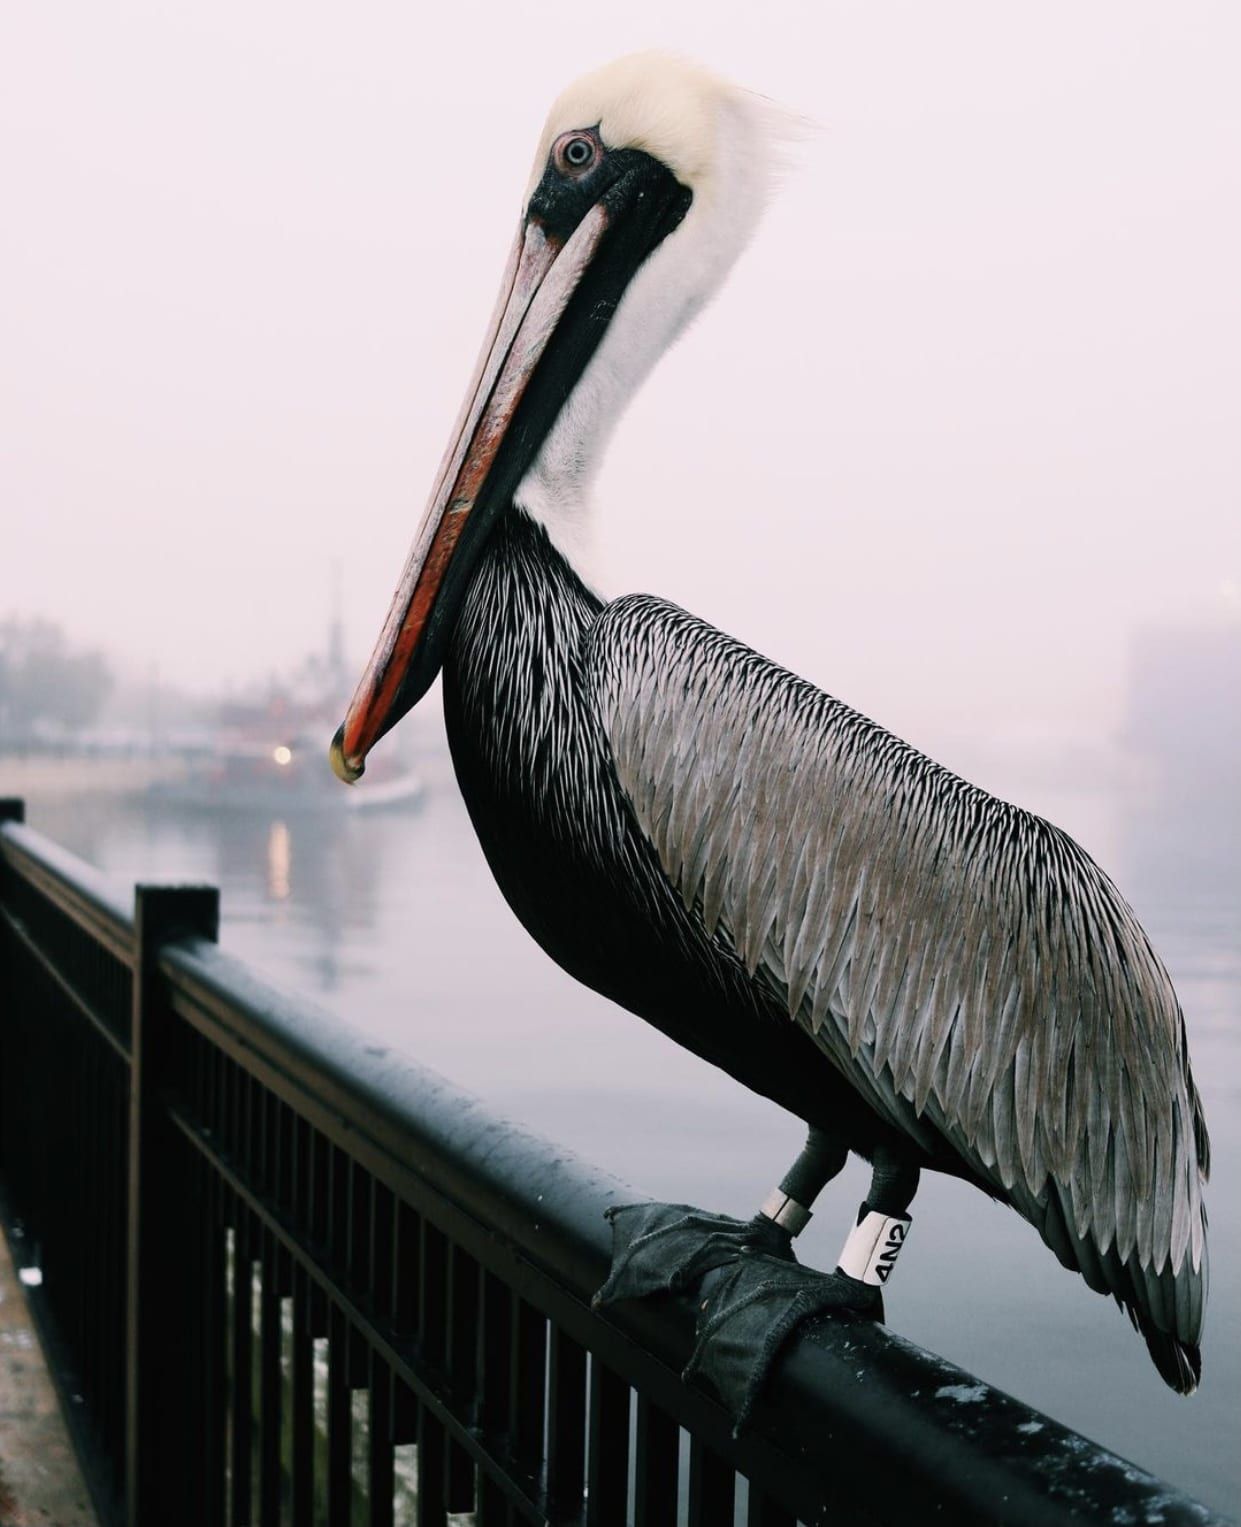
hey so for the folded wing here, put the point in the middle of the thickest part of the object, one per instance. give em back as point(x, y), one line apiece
point(963, 963)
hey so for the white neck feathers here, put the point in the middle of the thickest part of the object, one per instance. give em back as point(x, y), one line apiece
point(668, 292)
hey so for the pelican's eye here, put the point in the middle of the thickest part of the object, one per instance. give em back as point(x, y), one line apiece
point(575, 153)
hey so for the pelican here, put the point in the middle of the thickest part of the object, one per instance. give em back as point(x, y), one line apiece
point(924, 974)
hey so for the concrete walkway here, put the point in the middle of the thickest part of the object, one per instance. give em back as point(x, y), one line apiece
point(40, 1484)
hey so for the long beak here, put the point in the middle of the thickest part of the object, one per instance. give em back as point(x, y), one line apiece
point(542, 275)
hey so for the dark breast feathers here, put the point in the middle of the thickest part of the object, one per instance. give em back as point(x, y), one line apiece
point(964, 964)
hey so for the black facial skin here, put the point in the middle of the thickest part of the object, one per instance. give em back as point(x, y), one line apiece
point(645, 202)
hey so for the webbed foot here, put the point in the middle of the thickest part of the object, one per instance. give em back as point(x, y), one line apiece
point(753, 1294)
point(667, 1248)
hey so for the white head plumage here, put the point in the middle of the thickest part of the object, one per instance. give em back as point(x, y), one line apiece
point(723, 143)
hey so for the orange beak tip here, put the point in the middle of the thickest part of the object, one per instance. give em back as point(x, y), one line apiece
point(344, 768)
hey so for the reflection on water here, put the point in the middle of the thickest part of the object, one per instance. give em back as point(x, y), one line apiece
point(279, 861)
point(393, 920)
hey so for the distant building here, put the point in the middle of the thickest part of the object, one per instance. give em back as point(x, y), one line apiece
point(1183, 707)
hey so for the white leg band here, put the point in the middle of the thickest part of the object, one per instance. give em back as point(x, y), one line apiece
point(870, 1253)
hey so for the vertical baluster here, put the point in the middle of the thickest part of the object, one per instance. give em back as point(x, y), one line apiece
point(404, 1412)
point(249, 1102)
point(359, 1180)
point(234, 1111)
point(83, 1204)
point(261, 1141)
point(382, 1230)
point(761, 1511)
point(382, 1440)
point(657, 1446)
point(318, 1209)
point(433, 1341)
point(66, 1276)
point(406, 1275)
point(493, 1387)
point(339, 1419)
point(431, 1509)
point(270, 1386)
point(527, 1406)
point(332, 1202)
point(338, 1209)
point(379, 1461)
point(405, 1279)
point(243, 1338)
point(271, 1146)
point(302, 1405)
point(494, 1507)
point(117, 1255)
point(461, 1321)
point(360, 1279)
point(286, 1170)
point(432, 1295)
point(318, 1190)
point(205, 1100)
point(194, 1293)
point(87, 1122)
point(247, 1087)
point(607, 1457)
point(566, 1422)
point(712, 1487)
point(495, 1360)
point(215, 1368)
point(286, 1160)
point(101, 1306)
point(403, 1418)
point(299, 1172)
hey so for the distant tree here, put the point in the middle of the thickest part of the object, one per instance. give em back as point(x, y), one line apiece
point(42, 679)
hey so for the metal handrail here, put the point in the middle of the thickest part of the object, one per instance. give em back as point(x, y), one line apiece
point(856, 1420)
point(852, 1404)
point(94, 901)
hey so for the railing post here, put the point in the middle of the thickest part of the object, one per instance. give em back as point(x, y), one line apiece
point(160, 1463)
point(11, 810)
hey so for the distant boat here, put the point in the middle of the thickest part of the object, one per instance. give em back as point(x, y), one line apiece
point(281, 773)
point(268, 752)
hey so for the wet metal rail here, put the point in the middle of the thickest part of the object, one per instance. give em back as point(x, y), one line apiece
point(284, 1270)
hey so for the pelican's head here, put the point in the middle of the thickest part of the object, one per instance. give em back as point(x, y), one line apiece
point(650, 176)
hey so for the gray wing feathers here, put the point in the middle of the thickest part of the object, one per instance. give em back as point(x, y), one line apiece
point(965, 964)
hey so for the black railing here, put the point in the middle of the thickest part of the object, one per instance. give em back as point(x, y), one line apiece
point(288, 1276)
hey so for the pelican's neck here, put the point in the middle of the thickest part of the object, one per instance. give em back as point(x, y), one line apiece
point(512, 671)
point(669, 290)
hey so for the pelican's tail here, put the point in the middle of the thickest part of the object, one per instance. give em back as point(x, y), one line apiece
point(1166, 1307)
point(1179, 1362)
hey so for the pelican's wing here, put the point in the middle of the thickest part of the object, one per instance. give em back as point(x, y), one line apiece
point(963, 963)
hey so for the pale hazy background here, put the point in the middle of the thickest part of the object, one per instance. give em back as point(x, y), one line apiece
point(965, 417)
point(961, 441)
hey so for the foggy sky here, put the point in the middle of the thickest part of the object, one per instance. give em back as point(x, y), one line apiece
point(967, 413)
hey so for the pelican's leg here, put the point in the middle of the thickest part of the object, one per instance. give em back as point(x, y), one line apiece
point(752, 1294)
point(870, 1251)
point(872, 1246)
point(788, 1206)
